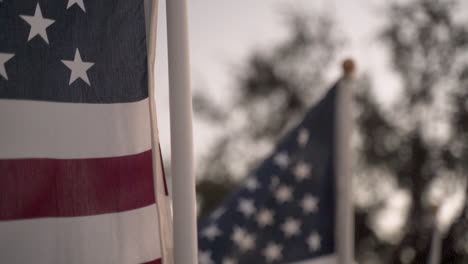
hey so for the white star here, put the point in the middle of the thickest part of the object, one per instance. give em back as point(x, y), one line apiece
point(282, 160)
point(78, 68)
point(246, 206)
point(309, 204)
point(303, 137)
point(38, 24)
point(243, 240)
point(291, 227)
point(283, 194)
point(218, 212)
point(273, 252)
point(252, 184)
point(314, 241)
point(302, 171)
point(265, 218)
point(4, 57)
point(274, 182)
point(211, 232)
point(238, 234)
point(247, 243)
point(204, 257)
point(78, 2)
point(229, 261)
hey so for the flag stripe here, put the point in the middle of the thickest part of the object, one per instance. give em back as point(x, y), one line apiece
point(32, 129)
point(127, 237)
point(156, 261)
point(163, 171)
point(331, 259)
point(31, 188)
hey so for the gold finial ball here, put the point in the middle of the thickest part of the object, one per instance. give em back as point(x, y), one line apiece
point(349, 67)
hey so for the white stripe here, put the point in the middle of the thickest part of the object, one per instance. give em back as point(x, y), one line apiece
point(165, 223)
point(33, 129)
point(128, 237)
point(331, 259)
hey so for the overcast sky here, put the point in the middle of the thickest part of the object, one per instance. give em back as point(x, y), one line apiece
point(223, 32)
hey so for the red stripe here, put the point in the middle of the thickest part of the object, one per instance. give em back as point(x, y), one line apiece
point(32, 188)
point(163, 172)
point(156, 261)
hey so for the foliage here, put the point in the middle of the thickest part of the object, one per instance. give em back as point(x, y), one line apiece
point(418, 145)
point(273, 89)
point(423, 137)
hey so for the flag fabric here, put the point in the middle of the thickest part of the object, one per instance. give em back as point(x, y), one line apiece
point(286, 210)
point(77, 157)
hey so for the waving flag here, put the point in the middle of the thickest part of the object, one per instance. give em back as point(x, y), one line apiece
point(77, 157)
point(286, 212)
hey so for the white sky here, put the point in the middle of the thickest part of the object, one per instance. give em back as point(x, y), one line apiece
point(223, 32)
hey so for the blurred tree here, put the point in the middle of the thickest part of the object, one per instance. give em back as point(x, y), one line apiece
point(274, 88)
point(412, 154)
point(421, 140)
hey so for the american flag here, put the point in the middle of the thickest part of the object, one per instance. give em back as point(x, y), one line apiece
point(285, 211)
point(76, 149)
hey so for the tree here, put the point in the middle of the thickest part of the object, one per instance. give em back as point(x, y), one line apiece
point(273, 90)
point(428, 48)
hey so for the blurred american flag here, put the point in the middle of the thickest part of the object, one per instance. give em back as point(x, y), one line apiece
point(285, 211)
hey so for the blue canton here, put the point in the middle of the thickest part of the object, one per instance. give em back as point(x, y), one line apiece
point(285, 211)
point(73, 51)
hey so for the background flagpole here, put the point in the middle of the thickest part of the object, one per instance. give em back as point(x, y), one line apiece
point(436, 242)
point(183, 178)
point(345, 210)
point(436, 247)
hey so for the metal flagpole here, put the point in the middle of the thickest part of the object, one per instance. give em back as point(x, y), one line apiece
point(436, 243)
point(345, 214)
point(183, 178)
